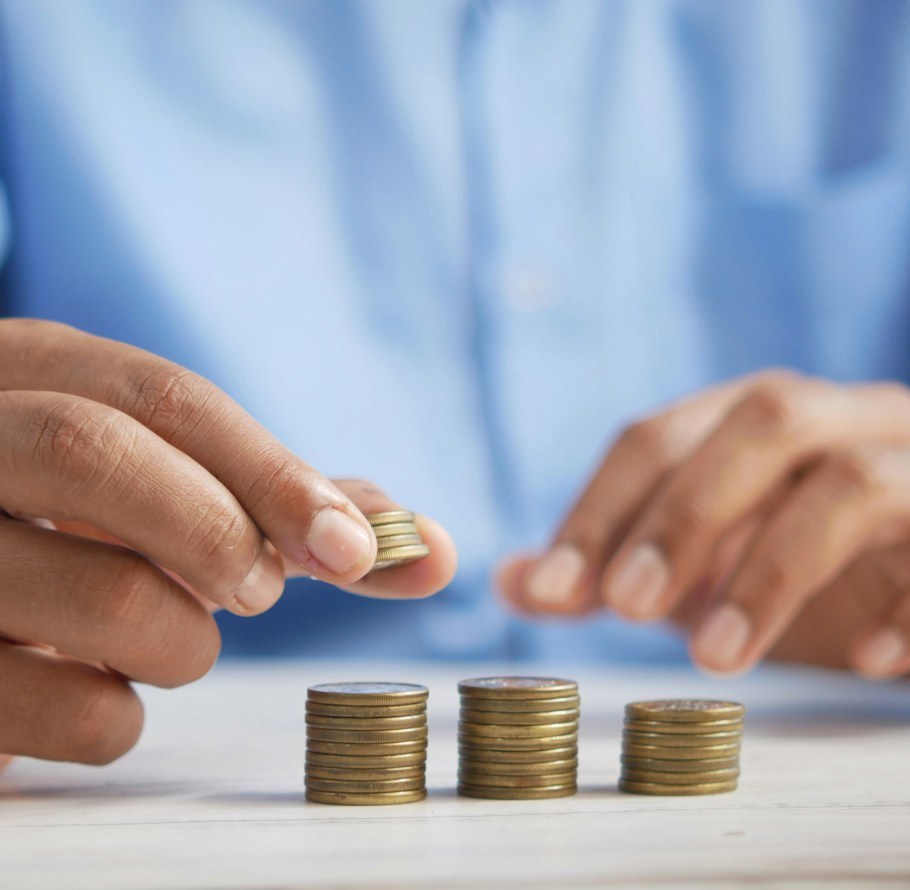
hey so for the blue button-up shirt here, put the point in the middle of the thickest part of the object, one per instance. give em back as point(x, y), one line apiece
point(455, 246)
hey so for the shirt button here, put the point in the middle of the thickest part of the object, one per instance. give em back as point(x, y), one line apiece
point(528, 289)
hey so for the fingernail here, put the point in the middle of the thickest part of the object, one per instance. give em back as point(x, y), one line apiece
point(337, 541)
point(883, 652)
point(556, 575)
point(638, 587)
point(720, 640)
point(263, 585)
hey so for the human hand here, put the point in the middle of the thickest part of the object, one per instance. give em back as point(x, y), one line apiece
point(770, 515)
point(135, 497)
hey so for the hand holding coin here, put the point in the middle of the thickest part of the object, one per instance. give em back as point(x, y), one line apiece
point(135, 498)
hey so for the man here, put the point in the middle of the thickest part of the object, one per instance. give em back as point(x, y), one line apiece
point(456, 248)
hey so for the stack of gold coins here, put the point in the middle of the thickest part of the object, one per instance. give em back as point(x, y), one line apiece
point(397, 539)
point(366, 743)
point(518, 738)
point(681, 747)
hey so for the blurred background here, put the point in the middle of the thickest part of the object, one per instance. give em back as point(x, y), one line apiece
point(455, 247)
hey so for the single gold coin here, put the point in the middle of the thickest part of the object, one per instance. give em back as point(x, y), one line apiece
point(390, 542)
point(502, 731)
point(685, 710)
point(417, 759)
point(676, 790)
point(532, 744)
point(522, 705)
point(364, 787)
point(516, 688)
point(516, 758)
point(369, 694)
point(365, 711)
point(342, 774)
point(542, 781)
point(386, 557)
point(373, 749)
point(379, 799)
point(647, 764)
point(489, 793)
point(666, 753)
point(701, 778)
point(390, 529)
point(681, 741)
point(518, 769)
point(669, 728)
point(389, 517)
point(493, 718)
point(367, 736)
point(367, 723)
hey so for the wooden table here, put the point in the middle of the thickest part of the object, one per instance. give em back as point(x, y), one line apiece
point(212, 797)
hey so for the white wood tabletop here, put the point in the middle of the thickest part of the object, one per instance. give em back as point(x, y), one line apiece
point(213, 796)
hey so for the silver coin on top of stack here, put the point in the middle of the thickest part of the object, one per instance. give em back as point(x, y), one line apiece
point(366, 743)
point(397, 539)
point(681, 747)
point(518, 738)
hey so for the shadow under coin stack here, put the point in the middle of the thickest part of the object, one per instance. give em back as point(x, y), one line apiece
point(681, 747)
point(366, 743)
point(518, 738)
point(397, 539)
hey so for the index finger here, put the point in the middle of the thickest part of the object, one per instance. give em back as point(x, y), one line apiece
point(308, 519)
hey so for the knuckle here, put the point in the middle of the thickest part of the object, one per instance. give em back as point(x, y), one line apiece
point(106, 724)
point(169, 399)
point(772, 409)
point(770, 574)
point(590, 523)
point(165, 636)
point(79, 441)
point(649, 438)
point(686, 515)
point(132, 604)
point(778, 377)
point(853, 472)
point(894, 392)
point(221, 537)
point(282, 481)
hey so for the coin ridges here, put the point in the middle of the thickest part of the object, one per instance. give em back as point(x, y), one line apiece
point(343, 798)
point(518, 737)
point(390, 516)
point(675, 790)
point(685, 710)
point(486, 792)
point(497, 718)
point(370, 694)
point(681, 747)
point(516, 688)
point(366, 743)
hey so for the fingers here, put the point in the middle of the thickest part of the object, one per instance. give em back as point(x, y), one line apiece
point(880, 648)
point(764, 440)
point(63, 457)
point(306, 517)
point(54, 708)
point(848, 502)
point(565, 580)
point(412, 580)
point(101, 603)
point(883, 650)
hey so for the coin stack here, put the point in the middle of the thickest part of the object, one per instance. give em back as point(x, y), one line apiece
point(518, 738)
point(366, 743)
point(685, 746)
point(397, 539)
